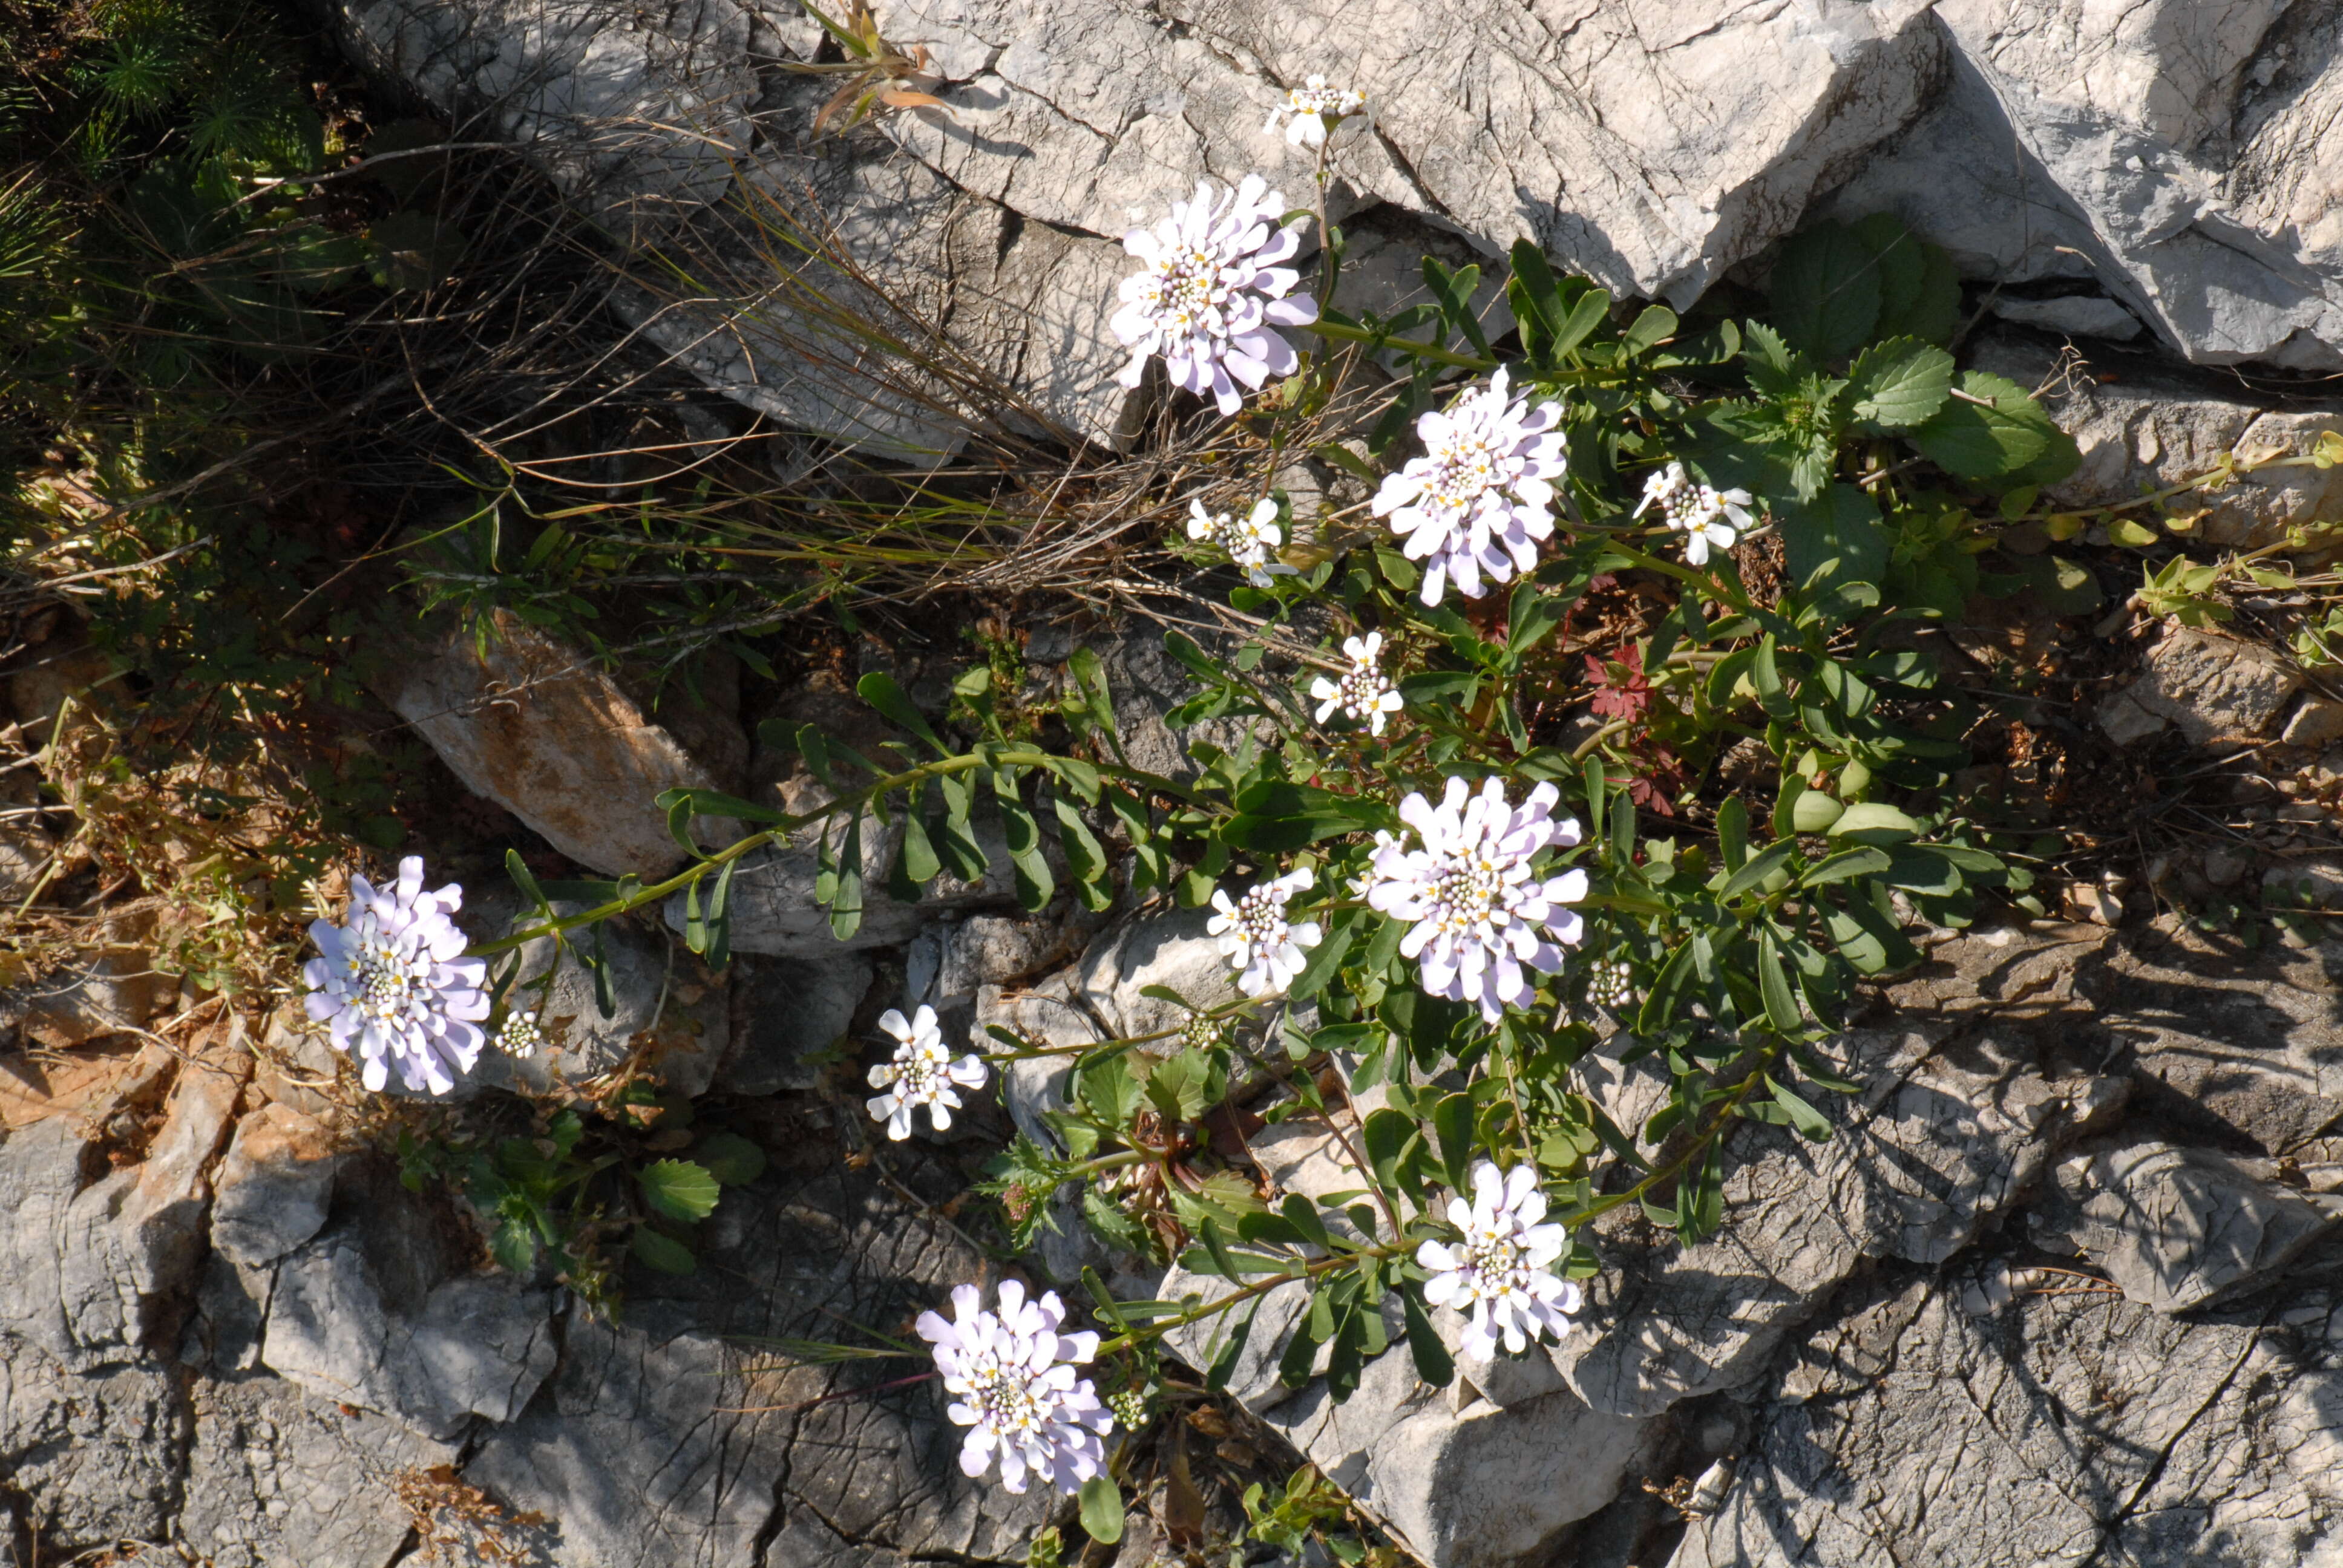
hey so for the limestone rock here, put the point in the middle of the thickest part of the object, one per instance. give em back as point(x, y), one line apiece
point(656, 1445)
point(274, 1187)
point(663, 1010)
point(373, 1312)
point(95, 1451)
point(2213, 688)
point(2079, 315)
point(2317, 721)
point(274, 1476)
point(2180, 1227)
point(2153, 429)
point(2176, 152)
point(2052, 1428)
point(640, 121)
point(1941, 1140)
point(537, 729)
point(785, 1009)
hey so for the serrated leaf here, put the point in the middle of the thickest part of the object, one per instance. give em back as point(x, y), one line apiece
point(1826, 292)
point(662, 1253)
point(678, 1188)
point(1900, 383)
point(1987, 440)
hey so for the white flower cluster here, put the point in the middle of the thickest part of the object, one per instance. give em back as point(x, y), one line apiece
point(1314, 109)
point(1363, 695)
point(1500, 1273)
point(1251, 544)
point(1478, 913)
point(1213, 288)
point(520, 1035)
point(1255, 936)
point(921, 1073)
point(1012, 1376)
point(1473, 506)
point(1709, 519)
point(393, 984)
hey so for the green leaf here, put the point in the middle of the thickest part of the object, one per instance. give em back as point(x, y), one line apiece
point(1865, 861)
point(1930, 308)
point(1899, 383)
point(1085, 856)
point(731, 1159)
point(1433, 1365)
point(1387, 1137)
point(1986, 441)
point(1774, 984)
point(878, 689)
point(606, 990)
point(1811, 1124)
point(1757, 868)
point(678, 1188)
point(1593, 309)
point(1103, 1510)
point(1841, 524)
point(1656, 326)
point(1325, 960)
point(1867, 938)
point(513, 1247)
point(1451, 1123)
point(665, 1254)
point(525, 879)
point(846, 896)
point(1826, 292)
point(1223, 1362)
point(1874, 822)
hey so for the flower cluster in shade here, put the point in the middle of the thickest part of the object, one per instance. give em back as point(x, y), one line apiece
point(1251, 544)
point(920, 1074)
point(1473, 508)
point(1214, 290)
point(1500, 1272)
point(1256, 938)
point(1479, 912)
point(1312, 110)
point(1011, 1377)
point(1363, 695)
point(1709, 519)
point(393, 986)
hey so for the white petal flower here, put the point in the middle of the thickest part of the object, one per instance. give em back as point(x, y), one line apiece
point(1314, 109)
point(1013, 1374)
point(1501, 1272)
point(1708, 517)
point(1255, 936)
point(1473, 506)
point(921, 1072)
point(1477, 912)
point(1251, 544)
point(394, 986)
point(1363, 694)
point(1213, 288)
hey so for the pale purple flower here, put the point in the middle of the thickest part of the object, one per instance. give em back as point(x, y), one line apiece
point(1501, 1271)
point(1478, 910)
point(1708, 517)
point(1256, 938)
point(1314, 109)
point(1363, 694)
point(921, 1072)
point(1251, 544)
point(393, 984)
point(1475, 503)
point(1212, 289)
point(1013, 1373)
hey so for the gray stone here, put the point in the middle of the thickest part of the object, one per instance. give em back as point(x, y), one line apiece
point(2151, 430)
point(95, 1266)
point(2181, 1227)
point(661, 1444)
point(543, 731)
point(95, 1451)
point(2316, 722)
point(119, 990)
point(274, 1187)
point(2213, 688)
point(2078, 314)
point(665, 1013)
point(372, 1313)
point(274, 1476)
point(785, 1011)
point(2059, 1426)
point(1941, 1140)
